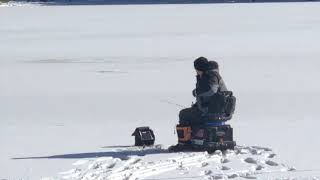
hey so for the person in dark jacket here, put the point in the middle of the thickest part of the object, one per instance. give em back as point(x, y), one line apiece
point(208, 83)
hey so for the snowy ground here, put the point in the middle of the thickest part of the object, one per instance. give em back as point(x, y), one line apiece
point(76, 79)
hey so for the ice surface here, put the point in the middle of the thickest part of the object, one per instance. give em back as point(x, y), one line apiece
point(74, 79)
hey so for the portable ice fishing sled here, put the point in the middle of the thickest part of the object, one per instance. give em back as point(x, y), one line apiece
point(213, 133)
point(210, 135)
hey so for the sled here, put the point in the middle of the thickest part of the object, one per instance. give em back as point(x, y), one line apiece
point(210, 136)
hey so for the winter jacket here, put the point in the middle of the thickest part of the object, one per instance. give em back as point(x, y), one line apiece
point(210, 83)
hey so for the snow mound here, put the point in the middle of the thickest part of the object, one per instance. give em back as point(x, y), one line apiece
point(244, 162)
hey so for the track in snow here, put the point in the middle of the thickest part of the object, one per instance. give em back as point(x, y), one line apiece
point(246, 162)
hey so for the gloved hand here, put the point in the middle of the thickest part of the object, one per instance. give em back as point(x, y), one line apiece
point(193, 105)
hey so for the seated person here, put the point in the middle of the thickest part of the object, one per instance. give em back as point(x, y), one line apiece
point(209, 82)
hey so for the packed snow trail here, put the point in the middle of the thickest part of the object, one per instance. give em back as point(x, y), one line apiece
point(246, 162)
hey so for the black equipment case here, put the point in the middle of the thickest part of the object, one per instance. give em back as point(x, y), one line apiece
point(211, 138)
point(144, 136)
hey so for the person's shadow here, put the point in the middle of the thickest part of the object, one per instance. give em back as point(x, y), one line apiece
point(121, 152)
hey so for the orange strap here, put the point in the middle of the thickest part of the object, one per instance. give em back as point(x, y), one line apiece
point(186, 133)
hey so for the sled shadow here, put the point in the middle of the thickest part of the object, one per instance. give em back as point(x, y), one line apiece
point(121, 154)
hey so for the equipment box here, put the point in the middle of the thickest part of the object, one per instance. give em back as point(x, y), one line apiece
point(213, 138)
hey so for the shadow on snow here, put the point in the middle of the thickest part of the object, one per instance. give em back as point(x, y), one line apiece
point(118, 153)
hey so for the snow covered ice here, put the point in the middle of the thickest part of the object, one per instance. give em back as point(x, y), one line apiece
point(76, 80)
point(182, 164)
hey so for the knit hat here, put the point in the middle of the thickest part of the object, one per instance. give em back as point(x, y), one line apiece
point(201, 64)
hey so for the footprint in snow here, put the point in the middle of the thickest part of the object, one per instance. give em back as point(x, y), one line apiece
point(223, 168)
point(256, 151)
point(205, 172)
point(133, 161)
point(250, 160)
point(272, 155)
point(271, 163)
point(259, 167)
point(250, 177)
point(247, 175)
point(108, 165)
point(291, 169)
point(203, 164)
point(234, 175)
point(217, 176)
point(225, 160)
point(262, 148)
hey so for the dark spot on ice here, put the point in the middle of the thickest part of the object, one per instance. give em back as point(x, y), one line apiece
point(110, 60)
point(111, 71)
